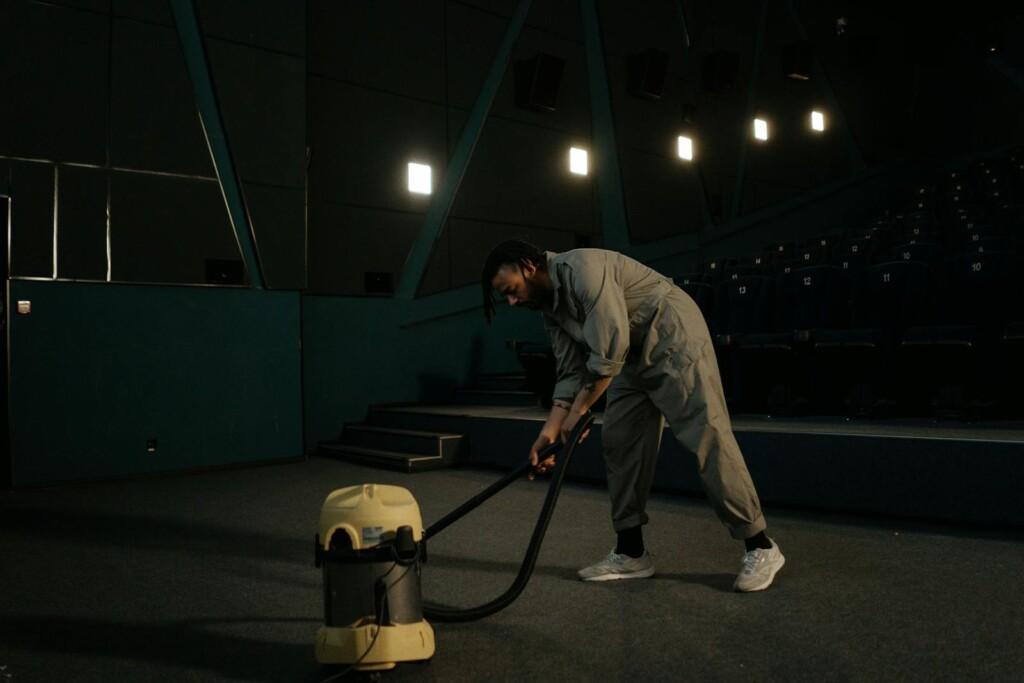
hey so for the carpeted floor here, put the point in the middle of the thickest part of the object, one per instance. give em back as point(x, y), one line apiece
point(210, 577)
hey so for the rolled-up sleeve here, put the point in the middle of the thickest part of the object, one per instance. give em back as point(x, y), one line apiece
point(570, 362)
point(606, 318)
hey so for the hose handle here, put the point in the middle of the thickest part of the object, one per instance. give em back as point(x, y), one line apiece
point(586, 420)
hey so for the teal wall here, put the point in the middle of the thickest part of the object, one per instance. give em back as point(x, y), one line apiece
point(363, 351)
point(97, 370)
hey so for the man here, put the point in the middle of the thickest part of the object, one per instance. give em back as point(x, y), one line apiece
point(618, 326)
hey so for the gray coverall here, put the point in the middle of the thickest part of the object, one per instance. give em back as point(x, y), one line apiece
point(612, 316)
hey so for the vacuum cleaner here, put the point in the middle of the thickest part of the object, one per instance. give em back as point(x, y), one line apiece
point(371, 545)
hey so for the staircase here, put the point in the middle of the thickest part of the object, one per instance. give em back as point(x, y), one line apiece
point(497, 390)
point(405, 450)
point(378, 443)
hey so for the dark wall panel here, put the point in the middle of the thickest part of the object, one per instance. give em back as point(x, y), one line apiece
point(346, 241)
point(632, 27)
point(152, 11)
point(520, 174)
point(4, 216)
point(646, 129)
point(278, 25)
point(163, 229)
point(59, 84)
point(476, 239)
point(560, 18)
point(557, 17)
point(465, 244)
point(7, 59)
point(31, 219)
point(278, 216)
point(502, 8)
point(155, 123)
point(661, 191)
point(718, 118)
point(363, 141)
point(438, 276)
point(5, 190)
point(662, 196)
point(82, 224)
point(262, 97)
point(645, 124)
point(473, 37)
point(91, 5)
point(795, 159)
point(393, 46)
point(363, 133)
point(572, 114)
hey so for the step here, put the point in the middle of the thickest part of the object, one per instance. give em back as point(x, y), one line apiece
point(489, 397)
point(501, 381)
point(391, 460)
point(401, 440)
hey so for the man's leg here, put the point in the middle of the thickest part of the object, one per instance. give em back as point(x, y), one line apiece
point(630, 440)
point(631, 437)
point(689, 392)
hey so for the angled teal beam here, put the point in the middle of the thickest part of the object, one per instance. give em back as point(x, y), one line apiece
point(194, 50)
point(419, 257)
point(606, 154)
point(681, 11)
point(835, 109)
point(741, 164)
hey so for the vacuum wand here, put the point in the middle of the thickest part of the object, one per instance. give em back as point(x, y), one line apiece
point(494, 488)
point(454, 614)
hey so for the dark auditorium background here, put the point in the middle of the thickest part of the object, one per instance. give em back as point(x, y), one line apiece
point(220, 290)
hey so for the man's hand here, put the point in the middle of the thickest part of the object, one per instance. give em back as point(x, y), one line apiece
point(570, 424)
point(541, 467)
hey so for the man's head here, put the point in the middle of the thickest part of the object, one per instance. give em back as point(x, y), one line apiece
point(517, 271)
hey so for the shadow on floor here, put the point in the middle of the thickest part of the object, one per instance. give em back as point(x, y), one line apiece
point(179, 645)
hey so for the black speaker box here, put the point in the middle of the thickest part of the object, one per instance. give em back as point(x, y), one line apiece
point(537, 81)
point(646, 73)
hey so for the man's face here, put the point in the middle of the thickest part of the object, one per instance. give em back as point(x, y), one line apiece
point(518, 287)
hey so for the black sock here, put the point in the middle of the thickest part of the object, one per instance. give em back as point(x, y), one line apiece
point(631, 542)
point(759, 541)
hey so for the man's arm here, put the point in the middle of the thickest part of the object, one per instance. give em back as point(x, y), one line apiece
point(589, 394)
point(549, 434)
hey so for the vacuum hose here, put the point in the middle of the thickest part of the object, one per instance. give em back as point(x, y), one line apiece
point(443, 613)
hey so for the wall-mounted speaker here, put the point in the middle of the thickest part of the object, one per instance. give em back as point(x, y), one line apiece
point(537, 81)
point(719, 71)
point(646, 72)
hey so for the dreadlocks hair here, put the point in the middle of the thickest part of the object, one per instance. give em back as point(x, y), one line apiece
point(512, 252)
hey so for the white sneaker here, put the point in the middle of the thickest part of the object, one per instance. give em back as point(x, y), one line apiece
point(759, 568)
point(617, 566)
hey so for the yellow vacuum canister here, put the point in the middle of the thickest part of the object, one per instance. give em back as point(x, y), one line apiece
point(370, 546)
